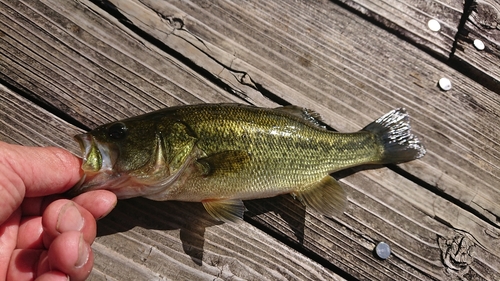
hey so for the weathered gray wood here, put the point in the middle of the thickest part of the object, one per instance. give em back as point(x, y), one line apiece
point(82, 67)
point(482, 24)
point(145, 240)
point(348, 81)
point(23, 123)
point(322, 64)
point(410, 18)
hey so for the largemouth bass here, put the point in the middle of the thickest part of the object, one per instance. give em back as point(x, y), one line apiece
point(221, 154)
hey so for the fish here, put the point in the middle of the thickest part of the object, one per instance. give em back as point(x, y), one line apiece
point(222, 154)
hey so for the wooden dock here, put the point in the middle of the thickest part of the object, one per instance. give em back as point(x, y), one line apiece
point(69, 65)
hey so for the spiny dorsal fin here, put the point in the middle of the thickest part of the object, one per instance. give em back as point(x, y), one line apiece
point(227, 210)
point(325, 196)
point(303, 113)
point(224, 162)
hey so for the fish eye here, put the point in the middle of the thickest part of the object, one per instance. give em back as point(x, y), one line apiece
point(117, 131)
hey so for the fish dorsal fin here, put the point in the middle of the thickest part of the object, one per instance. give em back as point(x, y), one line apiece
point(224, 162)
point(303, 113)
point(325, 196)
point(227, 210)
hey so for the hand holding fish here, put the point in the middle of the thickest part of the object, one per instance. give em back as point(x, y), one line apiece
point(42, 236)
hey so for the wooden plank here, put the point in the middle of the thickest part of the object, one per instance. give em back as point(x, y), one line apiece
point(342, 78)
point(409, 19)
point(145, 240)
point(23, 123)
point(81, 66)
point(482, 24)
point(343, 85)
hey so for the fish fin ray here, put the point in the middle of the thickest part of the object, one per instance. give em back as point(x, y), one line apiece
point(393, 130)
point(227, 210)
point(325, 196)
point(224, 162)
point(303, 113)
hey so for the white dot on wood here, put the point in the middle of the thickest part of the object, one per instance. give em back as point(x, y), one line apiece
point(434, 25)
point(383, 250)
point(479, 44)
point(445, 84)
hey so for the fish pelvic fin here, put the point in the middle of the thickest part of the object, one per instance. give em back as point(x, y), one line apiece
point(226, 210)
point(393, 131)
point(326, 196)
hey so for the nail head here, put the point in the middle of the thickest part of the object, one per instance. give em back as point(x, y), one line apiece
point(479, 44)
point(434, 25)
point(383, 250)
point(444, 84)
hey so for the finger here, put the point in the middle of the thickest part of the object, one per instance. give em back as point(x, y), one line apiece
point(98, 202)
point(30, 233)
point(53, 276)
point(24, 264)
point(34, 206)
point(42, 170)
point(71, 254)
point(8, 239)
point(11, 190)
point(64, 215)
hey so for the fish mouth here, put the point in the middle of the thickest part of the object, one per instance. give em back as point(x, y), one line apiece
point(97, 164)
point(97, 157)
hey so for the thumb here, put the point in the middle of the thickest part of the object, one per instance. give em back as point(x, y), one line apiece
point(34, 171)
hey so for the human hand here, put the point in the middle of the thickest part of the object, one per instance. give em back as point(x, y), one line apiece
point(43, 236)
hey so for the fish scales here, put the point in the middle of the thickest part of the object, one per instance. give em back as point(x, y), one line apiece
point(220, 154)
point(286, 152)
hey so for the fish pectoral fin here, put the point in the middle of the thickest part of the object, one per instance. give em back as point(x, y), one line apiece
point(224, 162)
point(227, 210)
point(325, 196)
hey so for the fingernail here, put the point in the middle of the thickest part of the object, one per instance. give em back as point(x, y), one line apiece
point(83, 253)
point(109, 211)
point(69, 218)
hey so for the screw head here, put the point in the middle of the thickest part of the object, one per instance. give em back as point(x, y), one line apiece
point(479, 44)
point(383, 250)
point(434, 25)
point(444, 84)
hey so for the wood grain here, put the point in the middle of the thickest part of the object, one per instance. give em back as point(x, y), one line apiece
point(351, 83)
point(86, 62)
point(409, 19)
point(482, 24)
point(145, 240)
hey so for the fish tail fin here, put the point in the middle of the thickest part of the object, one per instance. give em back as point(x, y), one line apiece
point(393, 131)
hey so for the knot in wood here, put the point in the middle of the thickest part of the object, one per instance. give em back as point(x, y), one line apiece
point(456, 253)
point(486, 15)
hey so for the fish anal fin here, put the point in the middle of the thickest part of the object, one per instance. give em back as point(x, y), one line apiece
point(226, 210)
point(326, 196)
point(224, 162)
